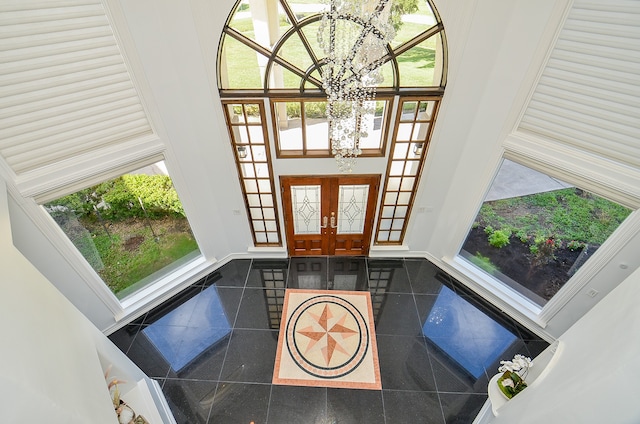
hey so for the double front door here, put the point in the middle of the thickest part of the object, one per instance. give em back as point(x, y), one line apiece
point(329, 215)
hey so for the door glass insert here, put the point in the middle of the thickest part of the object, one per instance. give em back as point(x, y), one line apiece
point(306, 209)
point(352, 208)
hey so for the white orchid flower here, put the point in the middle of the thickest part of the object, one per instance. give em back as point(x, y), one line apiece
point(507, 382)
point(519, 362)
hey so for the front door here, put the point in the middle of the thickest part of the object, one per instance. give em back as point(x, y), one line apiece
point(330, 215)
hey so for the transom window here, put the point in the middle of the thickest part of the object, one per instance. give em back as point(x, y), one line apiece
point(302, 129)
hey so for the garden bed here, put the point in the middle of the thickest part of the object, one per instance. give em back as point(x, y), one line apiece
point(544, 277)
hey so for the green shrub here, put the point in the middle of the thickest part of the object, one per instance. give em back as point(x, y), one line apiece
point(156, 193)
point(488, 230)
point(522, 236)
point(575, 245)
point(483, 263)
point(499, 238)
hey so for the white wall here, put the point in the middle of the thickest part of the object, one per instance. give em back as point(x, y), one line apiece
point(496, 51)
point(595, 379)
point(496, 48)
point(49, 367)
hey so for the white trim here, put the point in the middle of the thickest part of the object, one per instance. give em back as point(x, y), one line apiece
point(485, 414)
point(70, 254)
point(81, 171)
point(514, 305)
point(520, 302)
point(389, 251)
point(267, 252)
point(609, 179)
point(199, 268)
point(167, 286)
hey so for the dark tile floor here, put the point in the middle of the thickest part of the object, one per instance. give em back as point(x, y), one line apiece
point(212, 348)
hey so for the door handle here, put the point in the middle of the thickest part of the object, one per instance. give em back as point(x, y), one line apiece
point(333, 220)
point(324, 222)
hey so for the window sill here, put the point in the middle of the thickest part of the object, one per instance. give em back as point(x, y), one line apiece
point(496, 292)
point(152, 295)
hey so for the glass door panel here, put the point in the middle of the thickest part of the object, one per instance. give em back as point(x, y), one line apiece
point(329, 215)
point(352, 208)
point(305, 201)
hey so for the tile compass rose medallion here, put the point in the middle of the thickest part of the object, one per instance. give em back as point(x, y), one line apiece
point(327, 339)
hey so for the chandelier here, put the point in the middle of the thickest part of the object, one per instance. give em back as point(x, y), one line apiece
point(354, 35)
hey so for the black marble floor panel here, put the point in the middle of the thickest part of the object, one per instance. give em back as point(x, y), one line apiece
point(212, 347)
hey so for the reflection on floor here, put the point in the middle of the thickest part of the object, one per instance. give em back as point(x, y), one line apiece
point(212, 348)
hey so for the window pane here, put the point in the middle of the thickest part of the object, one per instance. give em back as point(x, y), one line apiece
point(394, 184)
point(404, 198)
point(420, 132)
point(373, 125)
point(407, 183)
point(293, 51)
point(420, 72)
point(253, 199)
point(269, 213)
point(256, 134)
point(271, 226)
point(259, 153)
point(404, 131)
point(401, 212)
point(264, 186)
point(239, 65)
point(266, 199)
point(400, 150)
point(248, 170)
point(414, 23)
point(289, 124)
point(533, 237)
point(397, 224)
point(251, 186)
point(396, 167)
point(390, 198)
point(316, 125)
point(262, 170)
point(132, 230)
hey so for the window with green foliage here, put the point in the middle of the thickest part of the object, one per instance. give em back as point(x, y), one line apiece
point(302, 129)
point(533, 232)
point(132, 229)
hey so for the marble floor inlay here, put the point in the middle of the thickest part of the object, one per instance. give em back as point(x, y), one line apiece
point(327, 339)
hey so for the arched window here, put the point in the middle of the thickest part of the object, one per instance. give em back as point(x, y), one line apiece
point(270, 65)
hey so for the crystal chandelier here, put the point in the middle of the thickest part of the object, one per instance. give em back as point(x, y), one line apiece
point(354, 35)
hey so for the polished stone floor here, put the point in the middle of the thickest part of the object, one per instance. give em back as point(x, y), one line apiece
point(212, 348)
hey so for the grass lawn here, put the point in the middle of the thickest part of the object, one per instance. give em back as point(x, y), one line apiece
point(569, 214)
point(416, 65)
point(131, 253)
